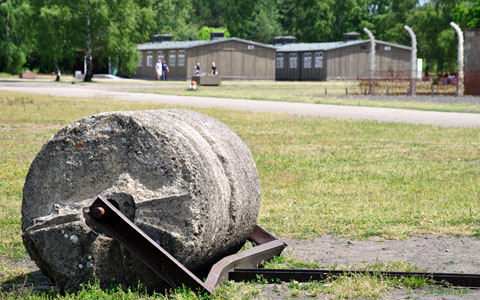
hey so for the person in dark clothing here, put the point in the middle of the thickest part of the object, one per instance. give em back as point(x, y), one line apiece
point(214, 69)
point(165, 70)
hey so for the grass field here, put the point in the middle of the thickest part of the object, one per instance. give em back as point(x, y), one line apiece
point(319, 176)
point(330, 92)
point(315, 92)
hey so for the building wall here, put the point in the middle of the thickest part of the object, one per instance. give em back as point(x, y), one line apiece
point(347, 63)
point(351, 63)
point(176, 72)
point(472, 62)
point(234, 60)
point(312, 73)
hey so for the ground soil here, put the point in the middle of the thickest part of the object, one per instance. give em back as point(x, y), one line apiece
point(432, 253)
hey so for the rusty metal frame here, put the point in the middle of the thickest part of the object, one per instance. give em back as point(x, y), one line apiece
point(268, 246)
point(136, 241)
point(174, 273)
point(238, 267)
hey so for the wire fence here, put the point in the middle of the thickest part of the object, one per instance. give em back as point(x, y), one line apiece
point(400, 83)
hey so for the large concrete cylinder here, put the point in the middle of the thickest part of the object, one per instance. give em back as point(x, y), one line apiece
point(184, 178)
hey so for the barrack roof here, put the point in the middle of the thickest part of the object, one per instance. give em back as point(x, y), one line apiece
point(193, 44)
point(302, 47)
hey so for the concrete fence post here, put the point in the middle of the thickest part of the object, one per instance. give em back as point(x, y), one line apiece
point(371, 70)
point(413, 62)
point(460, 87)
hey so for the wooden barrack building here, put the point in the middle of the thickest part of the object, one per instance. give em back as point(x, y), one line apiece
point(235, 58)
point(347, 60)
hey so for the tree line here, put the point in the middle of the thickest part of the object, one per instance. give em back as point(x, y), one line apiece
point(48, 35)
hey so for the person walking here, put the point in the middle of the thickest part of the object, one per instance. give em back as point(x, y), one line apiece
point(158, 69)
point(165, 70)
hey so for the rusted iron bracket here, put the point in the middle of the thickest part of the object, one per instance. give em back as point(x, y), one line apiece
point(174, 273)
point(268, 246)
point(238, 267)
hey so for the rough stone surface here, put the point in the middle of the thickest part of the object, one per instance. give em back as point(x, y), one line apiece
point(184, 178)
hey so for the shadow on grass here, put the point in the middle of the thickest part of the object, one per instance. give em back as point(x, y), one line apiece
point(29, 283)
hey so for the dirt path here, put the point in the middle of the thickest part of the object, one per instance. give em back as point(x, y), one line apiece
point(432, 253)
point(112, 91)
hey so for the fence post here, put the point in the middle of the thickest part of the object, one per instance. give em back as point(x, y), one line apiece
point(413, 61)
point(371, 71)
point(460, 87)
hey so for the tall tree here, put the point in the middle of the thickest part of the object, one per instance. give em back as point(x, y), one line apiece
point(111, 29)
point(209, 13)
point(263, 25)
point(15, 35)
point(467, 14)
point(175, 17)
point(52, 31)
point(254, 20)
point(204, 32)
point(436, 39)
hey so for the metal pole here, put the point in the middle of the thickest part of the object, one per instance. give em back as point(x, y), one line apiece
point(460, 86)
point(371, 71)
point(413, 61)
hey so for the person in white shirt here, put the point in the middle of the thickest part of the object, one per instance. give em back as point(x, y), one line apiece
point(158, 69)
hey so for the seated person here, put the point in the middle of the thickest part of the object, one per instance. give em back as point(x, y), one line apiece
point(214, 69)
point(197, 69)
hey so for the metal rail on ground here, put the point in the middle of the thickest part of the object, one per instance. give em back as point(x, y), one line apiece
point(242, 266)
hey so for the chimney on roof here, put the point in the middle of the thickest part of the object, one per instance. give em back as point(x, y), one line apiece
point(351, 36)
point(283, 40)
point(158, 38)
point(217, 35)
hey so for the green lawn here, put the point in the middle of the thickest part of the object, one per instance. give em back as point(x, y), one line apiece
point(314, 92)
point(319, 176)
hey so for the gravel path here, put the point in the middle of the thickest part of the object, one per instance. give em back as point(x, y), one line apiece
point(111, 91)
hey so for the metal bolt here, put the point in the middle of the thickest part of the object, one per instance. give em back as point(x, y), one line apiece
point(98, 212)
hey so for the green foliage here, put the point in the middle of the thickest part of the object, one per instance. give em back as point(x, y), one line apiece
point(15, 37)
point(128, 23)
point(467, 14)
point(254, 20)
point(52, 32)
point(209, 13)
point(204, 32)
point(175, 17)
point(57, 30)
point(101, 28)
point(437, 42)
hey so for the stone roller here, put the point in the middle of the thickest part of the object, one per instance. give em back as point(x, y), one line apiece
point(183, 178)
